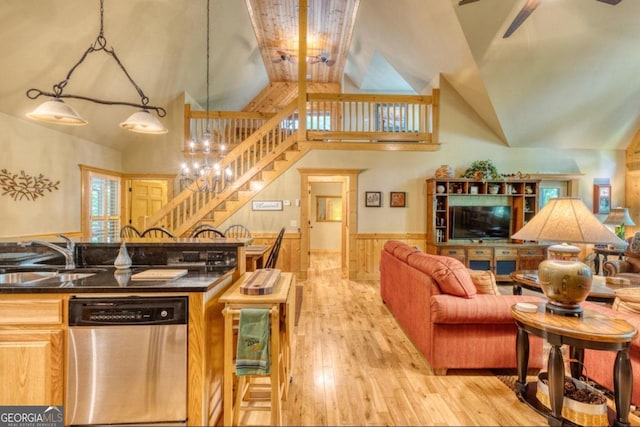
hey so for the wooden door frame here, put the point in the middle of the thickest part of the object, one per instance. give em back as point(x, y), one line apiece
point(349, 180)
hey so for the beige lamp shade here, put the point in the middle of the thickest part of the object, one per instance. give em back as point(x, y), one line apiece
point(57, 112)
point(567, 219)
point(143, 122)
point(619, 216)
point(565, 281)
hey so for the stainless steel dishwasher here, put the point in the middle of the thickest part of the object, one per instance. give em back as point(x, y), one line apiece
point(127, 360)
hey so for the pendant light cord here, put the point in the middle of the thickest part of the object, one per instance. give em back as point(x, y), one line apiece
point(208, 36)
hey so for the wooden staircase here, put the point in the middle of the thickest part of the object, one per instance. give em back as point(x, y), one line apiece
point(257, 161)
point(333, 121)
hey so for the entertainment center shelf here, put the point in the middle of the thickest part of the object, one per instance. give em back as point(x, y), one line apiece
point(473, 220)
point(444, 195)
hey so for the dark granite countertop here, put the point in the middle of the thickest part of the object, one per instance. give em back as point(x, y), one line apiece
point(110, 280)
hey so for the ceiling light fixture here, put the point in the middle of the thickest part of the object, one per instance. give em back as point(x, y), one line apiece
point(202, 170)
point(57, 112)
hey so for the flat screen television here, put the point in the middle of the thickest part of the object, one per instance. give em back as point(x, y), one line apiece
point(480, 222)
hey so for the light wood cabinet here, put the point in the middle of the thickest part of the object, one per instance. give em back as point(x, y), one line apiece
point(501, 259)
point(529, 258)
point(32, 351)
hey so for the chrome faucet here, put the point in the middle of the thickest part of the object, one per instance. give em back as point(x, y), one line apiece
point(68, 252)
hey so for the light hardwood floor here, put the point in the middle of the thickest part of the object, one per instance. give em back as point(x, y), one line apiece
point(353, 365)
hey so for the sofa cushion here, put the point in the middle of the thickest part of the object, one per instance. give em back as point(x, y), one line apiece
point(450, 274)
point(484, 281)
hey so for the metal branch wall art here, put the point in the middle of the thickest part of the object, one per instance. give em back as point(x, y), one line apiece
point(21, 186)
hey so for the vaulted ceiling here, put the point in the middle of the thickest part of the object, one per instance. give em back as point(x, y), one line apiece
point(568, 77)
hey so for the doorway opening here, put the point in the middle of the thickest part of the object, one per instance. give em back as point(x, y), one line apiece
point(328, 194)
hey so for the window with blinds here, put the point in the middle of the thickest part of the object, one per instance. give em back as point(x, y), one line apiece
point(105, 207)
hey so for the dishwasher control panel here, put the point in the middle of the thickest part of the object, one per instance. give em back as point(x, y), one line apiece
point(128, 311)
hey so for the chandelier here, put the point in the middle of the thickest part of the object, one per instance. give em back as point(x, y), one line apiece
point(202, 170)
point(57, 112)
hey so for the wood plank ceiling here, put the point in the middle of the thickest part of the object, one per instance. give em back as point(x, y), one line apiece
point(329, 30)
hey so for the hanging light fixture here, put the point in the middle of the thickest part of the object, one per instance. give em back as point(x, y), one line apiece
point(58, 112)
point(202, 170)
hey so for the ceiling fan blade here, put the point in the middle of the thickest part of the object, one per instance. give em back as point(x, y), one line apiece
point(524, 13)
point(611, 2)
point(463, 2)
point(330, 62)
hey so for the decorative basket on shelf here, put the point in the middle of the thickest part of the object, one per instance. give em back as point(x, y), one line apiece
point(444, 171)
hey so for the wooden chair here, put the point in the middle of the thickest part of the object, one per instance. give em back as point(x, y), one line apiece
point(275, 250)
point(237, 231)
point(157, 232)
point(129, 231)
point(207, 231)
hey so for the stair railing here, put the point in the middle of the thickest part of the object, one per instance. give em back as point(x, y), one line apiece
point(245, 161)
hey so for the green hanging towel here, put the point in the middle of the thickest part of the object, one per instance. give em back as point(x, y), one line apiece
point(252, 356)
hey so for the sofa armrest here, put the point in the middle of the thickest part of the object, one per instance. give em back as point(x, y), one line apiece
point(481, 309)
point(617, 266)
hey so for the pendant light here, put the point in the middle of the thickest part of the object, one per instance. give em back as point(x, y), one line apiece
point(57, 111)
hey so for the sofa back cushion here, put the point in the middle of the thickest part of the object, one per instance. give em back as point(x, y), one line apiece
point(391, 245)
point(450, 274)
point(403, 252)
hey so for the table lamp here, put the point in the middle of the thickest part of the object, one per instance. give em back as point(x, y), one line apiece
point(619, 218)
point(565, 280)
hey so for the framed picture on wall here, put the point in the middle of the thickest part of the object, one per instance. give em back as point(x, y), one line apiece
point(601, 198)
point(398, 199)
point(373, 199)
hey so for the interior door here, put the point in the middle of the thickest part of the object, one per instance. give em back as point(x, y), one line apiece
point(147, 197)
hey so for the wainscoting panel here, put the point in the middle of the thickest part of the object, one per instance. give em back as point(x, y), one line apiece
point(369, 246)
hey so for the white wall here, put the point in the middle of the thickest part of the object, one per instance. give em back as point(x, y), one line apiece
point(37, 149)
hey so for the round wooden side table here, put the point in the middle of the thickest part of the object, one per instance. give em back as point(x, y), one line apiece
point(592, 330)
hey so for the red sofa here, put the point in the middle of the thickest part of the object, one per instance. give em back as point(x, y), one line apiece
point(438, 307)
point(599, 364)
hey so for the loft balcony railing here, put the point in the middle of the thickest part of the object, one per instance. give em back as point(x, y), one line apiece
point(333, 117)
point(374, 118)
